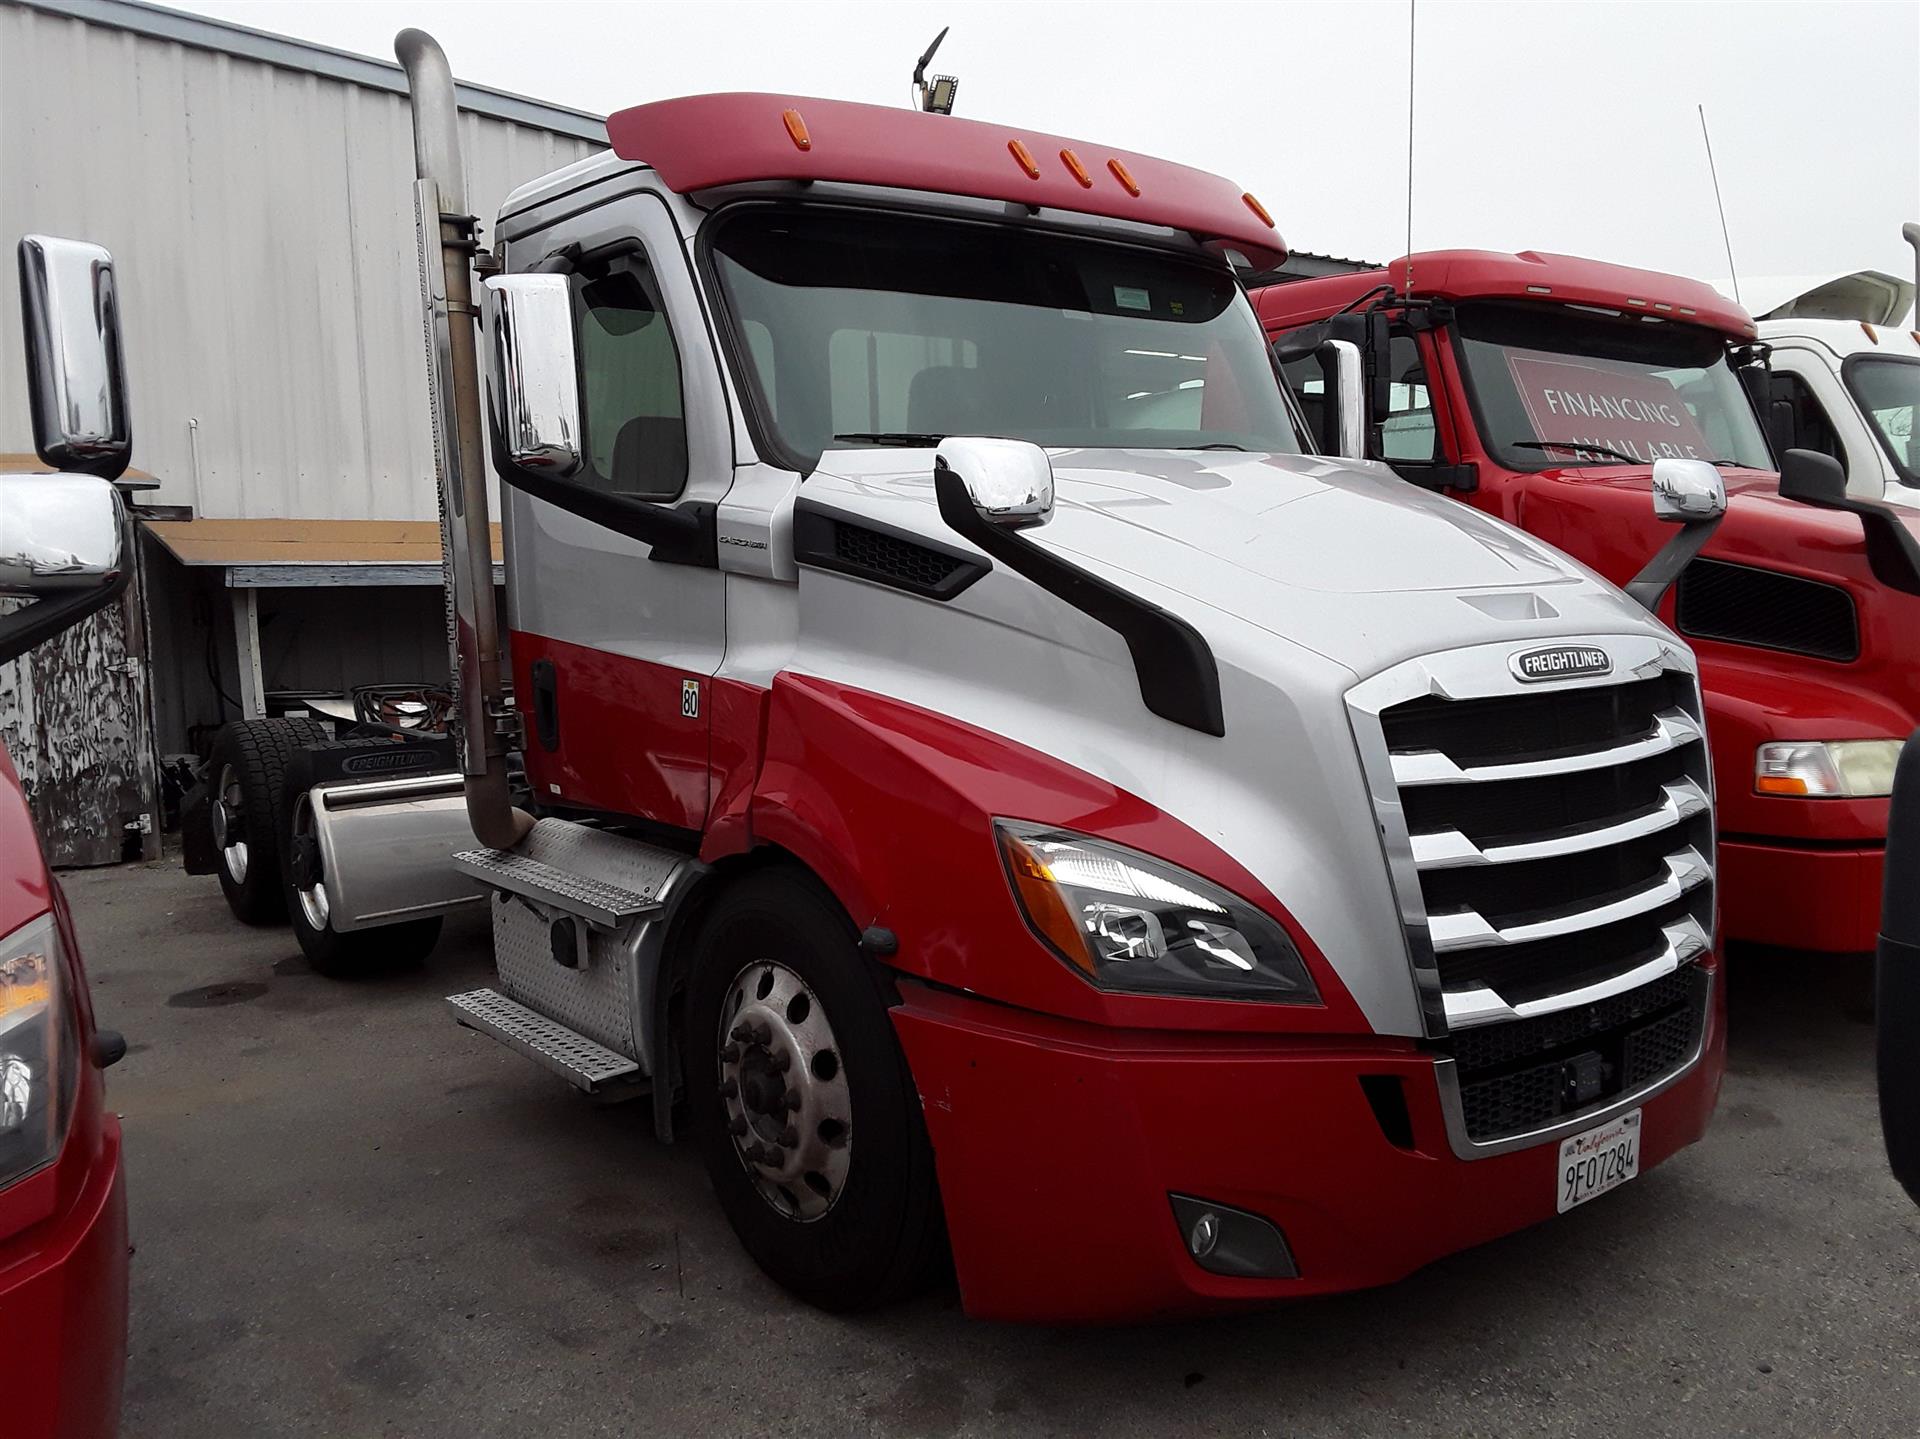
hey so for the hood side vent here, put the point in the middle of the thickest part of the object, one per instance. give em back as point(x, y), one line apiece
point(869, 550)
point(1743, 605)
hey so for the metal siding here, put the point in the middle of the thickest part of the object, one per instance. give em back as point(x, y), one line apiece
point(261, 222)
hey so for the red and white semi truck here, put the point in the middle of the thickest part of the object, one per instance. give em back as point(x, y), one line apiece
point(1543, 389)
point(972, 770)
point(65, 551)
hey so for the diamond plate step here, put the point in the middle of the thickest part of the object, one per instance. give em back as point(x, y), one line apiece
point(575, 1058)
point(593, 900)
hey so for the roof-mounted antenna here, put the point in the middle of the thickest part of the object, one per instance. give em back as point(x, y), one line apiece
point(1725, 238)
point(1412, 7)
point(935, 96)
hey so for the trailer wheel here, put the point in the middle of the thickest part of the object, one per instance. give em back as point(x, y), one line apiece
point(806, 1111)
point(342, 954)
point(247, 785)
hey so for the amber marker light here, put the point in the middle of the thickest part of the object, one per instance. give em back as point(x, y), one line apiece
point(796, 129)
point(1024, 158)
point(1259, 210)
point(1125, 177)
point(1076, 169)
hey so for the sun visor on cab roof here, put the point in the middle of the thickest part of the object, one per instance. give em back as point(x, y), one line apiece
point(703, 141)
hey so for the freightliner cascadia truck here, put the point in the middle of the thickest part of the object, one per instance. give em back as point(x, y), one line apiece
point(66, 550)
point(1543, 389)
point(972, 771)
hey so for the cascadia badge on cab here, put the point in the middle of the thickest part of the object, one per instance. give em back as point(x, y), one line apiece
point(1560, 662)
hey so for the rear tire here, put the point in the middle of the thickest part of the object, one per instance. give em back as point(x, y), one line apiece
point(247, 777)
point(345, 954)
point(842, 1207)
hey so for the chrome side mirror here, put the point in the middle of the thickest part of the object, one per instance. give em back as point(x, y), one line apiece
point(76, 383)
point(62, 543)
point(1687, 490)
point(1009, 482)
point(533, 383)
point(1346, 394)
point(1690, 494)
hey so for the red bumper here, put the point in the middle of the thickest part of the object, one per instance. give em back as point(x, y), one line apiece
point(1820, 899)
point(63, 1311)
point(1058, 1144)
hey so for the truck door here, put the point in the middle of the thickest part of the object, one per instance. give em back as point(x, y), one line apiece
point(612, 649)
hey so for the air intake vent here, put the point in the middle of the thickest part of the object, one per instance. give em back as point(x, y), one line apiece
point(830, 542)
point(1742, 605)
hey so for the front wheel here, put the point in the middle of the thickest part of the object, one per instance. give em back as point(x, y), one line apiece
point(802, 1099)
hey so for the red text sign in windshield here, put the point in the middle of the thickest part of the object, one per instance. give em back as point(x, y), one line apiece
point(1636, 415)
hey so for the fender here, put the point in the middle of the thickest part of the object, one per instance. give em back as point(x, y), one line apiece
point(892, 807)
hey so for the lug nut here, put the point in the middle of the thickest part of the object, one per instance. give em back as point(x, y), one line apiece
point(743, 1033)
point(791, 1099)
point(789, 1138)
point(730, 1054)
point(762, 1033)
point(782, 1061)
point(729, 1087)
point(738, 1127)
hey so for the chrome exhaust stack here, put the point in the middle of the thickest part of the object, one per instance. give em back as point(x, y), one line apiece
point(448, 240)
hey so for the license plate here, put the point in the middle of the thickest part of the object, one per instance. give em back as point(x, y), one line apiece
point(1602, 1158)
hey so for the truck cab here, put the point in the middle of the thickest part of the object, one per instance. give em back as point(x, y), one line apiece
point(1543, 389)
point(1849, 388)
point(973, 771)
point(65, 551)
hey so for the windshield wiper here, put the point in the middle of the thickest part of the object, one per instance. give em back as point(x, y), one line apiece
point(1222, 445)
point(1572, 448)
point(905, 439)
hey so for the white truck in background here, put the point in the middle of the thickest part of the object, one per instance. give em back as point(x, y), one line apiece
point(1846, 378)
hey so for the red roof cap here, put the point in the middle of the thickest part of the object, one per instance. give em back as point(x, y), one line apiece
point(702, 141)
point(1529, 275)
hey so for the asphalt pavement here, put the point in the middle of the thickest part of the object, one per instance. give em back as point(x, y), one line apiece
point(352, 1217)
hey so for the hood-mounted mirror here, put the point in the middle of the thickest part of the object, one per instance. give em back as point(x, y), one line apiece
point(1688, 493)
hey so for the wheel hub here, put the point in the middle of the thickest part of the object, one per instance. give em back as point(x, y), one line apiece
point(229, 829)
point(783, 1092)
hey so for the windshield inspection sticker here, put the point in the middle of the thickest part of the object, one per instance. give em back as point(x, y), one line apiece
point(1638, 415)
point(1128, 298)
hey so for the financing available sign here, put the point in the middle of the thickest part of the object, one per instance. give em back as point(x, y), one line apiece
point(1586, 404)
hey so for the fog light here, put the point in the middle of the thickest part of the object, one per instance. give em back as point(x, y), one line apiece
point(1223, 1240)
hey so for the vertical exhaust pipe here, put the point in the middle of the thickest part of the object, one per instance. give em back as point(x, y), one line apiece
point(447, 242)
point(1897, 976)
point(1910, 232)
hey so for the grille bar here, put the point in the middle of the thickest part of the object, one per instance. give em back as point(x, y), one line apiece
point(1686, 869)
point(1671, 729)
point(1481, 1004)
point(1447, 849)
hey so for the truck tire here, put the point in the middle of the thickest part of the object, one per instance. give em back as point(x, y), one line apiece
point(836, 1198)
point(247, 785)
point(342, 954)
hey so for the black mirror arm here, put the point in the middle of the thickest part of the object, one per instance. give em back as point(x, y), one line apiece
point(1179, 678)
point(1892, 550)
point(685, 534)
point(1650, 586)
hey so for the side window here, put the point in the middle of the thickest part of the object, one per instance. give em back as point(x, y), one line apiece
point(634, 423)
point(1799, 421)
point(1309, 385)
point(1407, 430)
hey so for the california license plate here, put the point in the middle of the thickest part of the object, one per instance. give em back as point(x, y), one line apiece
point(1602, 1158)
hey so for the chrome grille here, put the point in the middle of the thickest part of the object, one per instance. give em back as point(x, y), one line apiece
point(1552, 842)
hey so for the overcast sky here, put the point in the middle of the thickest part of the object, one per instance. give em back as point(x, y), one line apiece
point(1554, 126)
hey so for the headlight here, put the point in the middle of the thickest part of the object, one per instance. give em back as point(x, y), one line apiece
point(1829, 769)
point(1131, 922)
point(38, 1067)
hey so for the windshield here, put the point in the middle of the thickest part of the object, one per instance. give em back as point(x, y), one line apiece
point(1553, 386)
point(1888, 392)
point(866, 328)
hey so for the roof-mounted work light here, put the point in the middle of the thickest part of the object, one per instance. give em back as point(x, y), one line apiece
point(935, 96)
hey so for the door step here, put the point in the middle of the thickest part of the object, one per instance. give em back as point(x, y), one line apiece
point(580, 1061)
point(607, 906)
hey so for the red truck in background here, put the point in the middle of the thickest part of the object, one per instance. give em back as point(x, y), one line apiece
point(66, 549)
point(1541, 388)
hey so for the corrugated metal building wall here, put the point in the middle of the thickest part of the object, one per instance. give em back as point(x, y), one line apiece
point(256, 193)
point(260, 213)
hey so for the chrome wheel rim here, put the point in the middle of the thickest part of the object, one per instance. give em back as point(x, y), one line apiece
point(229, 837)
point(783, 1091)
point(314, 907)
